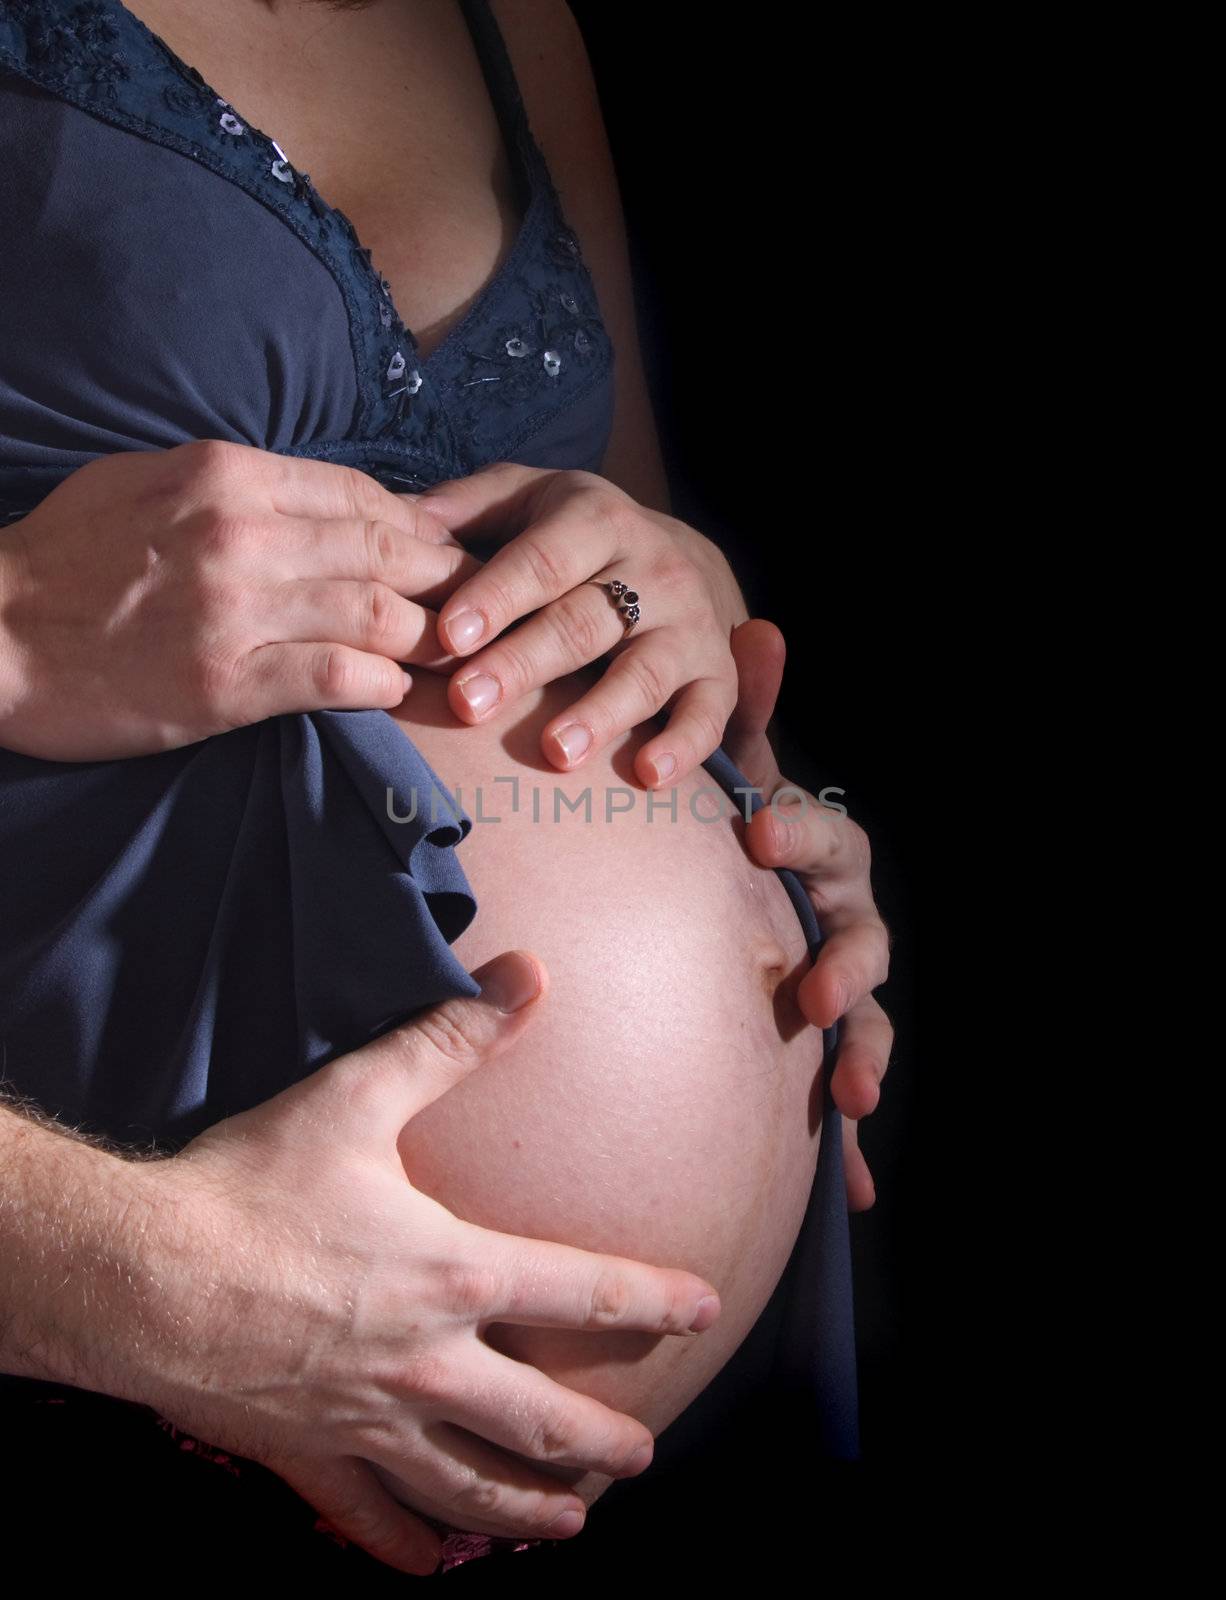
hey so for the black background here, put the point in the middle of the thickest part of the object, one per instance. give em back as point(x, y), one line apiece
point(799, 248)
point(796, 239)
point(770, 330)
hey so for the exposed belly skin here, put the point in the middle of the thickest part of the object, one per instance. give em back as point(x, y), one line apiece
point(664, 1105)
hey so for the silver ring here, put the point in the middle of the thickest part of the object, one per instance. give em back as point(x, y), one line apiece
point(624, 598)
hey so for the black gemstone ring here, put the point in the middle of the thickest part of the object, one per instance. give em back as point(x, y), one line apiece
point(625, 599)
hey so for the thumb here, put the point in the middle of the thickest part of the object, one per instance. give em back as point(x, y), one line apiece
point(377, 1088)
point(349, 1495)
point(759, 650)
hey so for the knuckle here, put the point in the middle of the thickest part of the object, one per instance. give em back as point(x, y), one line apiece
point(647, 674)
point(607, 506)
point(881, 963)
point(378, 609)
point(211, 458)
point(222, 535)
point(576, 628)
point(610, 1302)
point(363, 490)
point(550, 1440)
point(548, 569)
point(512, 665)
point(332, 673)
point(678, 574)
point(427, 1376)
point(484, 1499)
point(380, 542)
point(854, 845)
point(497, 598)
point(576, 480)
point(449, 1033)
point(467, 1288)
point(707, 726)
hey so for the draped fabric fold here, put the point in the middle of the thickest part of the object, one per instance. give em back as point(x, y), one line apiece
point(186, 933)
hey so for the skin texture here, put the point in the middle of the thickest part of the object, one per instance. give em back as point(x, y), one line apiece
point(665, 1104)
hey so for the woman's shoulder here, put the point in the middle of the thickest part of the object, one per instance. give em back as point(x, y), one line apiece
point(557, 84)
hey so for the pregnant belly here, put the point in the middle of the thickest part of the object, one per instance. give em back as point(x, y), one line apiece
point(664, 1105)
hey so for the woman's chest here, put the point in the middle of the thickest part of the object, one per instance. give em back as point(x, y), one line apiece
point(171, 272)
point(388, 110)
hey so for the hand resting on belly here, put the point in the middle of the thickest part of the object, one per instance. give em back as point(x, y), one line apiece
point(666, 1104)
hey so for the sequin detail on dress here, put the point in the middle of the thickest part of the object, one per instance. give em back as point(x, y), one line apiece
point(419, 421)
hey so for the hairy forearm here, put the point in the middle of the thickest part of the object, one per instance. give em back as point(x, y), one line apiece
point(72, 1214)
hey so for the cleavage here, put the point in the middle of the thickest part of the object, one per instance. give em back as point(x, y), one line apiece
point(388, 111)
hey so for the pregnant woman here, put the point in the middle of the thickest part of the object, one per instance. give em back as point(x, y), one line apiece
point(198, 918)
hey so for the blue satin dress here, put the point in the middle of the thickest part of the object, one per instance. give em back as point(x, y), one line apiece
point(184, 934)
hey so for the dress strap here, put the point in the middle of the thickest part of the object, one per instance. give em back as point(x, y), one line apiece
point(505, 93)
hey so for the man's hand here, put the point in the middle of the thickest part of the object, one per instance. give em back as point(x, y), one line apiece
point(157, 597)
point(830, 854)
point(281, 1290)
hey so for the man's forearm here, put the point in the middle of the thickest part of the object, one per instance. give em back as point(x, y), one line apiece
point(71, 1219)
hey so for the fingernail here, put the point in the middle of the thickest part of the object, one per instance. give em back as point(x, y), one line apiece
point(708, 1310)
point(566, 1525)
point(665, 766)
point(408, 682)
point(510, 982)
point(574, 739)
point(481, 691)
point(464, 629)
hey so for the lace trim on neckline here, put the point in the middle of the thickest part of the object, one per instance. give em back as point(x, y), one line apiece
point(528, 347)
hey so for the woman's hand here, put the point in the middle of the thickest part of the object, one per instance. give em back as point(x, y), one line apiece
point(831, 856)
point(156, 597)
point(557, 530)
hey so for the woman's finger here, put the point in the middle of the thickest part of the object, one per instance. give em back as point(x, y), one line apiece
point(759, 650)
point(866, 1038)
point(696, 724)
point(637, 684)
point(817, 841)
point(554, 555)
point(574, 630)
point(858, 1180)
point(367, 616)
point(854, 959)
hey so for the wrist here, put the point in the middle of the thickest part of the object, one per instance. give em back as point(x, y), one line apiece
point(78, 1262)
